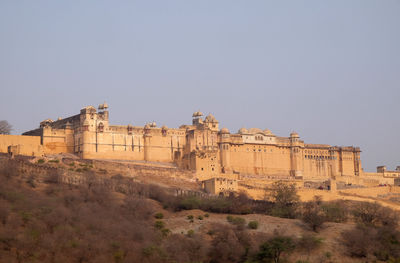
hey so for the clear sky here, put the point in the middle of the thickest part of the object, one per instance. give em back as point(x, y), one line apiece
point(329, 70)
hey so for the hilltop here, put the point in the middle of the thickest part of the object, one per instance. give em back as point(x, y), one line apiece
point(72, 211)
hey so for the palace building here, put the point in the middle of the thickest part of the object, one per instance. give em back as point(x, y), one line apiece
point(200, 146)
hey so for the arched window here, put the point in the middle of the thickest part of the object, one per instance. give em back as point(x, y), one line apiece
point(101, 127)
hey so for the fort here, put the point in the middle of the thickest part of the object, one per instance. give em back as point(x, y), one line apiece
point(201, 147)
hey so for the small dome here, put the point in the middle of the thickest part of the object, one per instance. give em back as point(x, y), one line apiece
point(210, 118)
point(267, 131)
point(294, 134)
point(243, 130)
point(197, 114)
point(224, 130)
point(147, 126)
point(164, 127)
point(255, 130)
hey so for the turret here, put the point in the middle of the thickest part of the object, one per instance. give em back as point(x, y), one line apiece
point(197, 118)
point(295, 155)
point(211, 123)
point(225, 150)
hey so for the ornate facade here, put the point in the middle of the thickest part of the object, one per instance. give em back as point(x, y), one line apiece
point(200, 146)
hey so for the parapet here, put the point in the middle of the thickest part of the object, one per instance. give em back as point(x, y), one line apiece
point(381, 169)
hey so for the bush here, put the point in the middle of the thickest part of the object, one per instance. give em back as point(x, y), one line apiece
point(237, 221)
point(190, 217)
point(359, 241)
point(159, 216)
point(190, 233)
point(373, 214)
point(228, 244)
point(200, 217)
point(253, 224)
point(165, 232)
point(382, 242)
point(190, 203)
point(285, 199)
point(54, 161)
point(313, 215)
point(335, 212)
point(206, 215)
point(40, 161)
point(309, 242)
point(159, 224)
point(274, 248)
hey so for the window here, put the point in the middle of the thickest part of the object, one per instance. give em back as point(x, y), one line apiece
point(101, 127)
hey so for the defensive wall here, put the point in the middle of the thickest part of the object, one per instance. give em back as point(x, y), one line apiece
point(26, 145)
point(200, 148)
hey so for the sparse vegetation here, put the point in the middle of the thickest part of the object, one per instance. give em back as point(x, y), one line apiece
point(253, 224)
point(5, 127)
point(90, 225)
point(335, 211)
point(190, 233)
point(376, 233)
point(285, 198)
point(309, 242)
point(313, 215)
point(159, 216)
point(159, 224)
point(273, 249)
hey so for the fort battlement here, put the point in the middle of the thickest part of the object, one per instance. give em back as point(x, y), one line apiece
point(200, 147)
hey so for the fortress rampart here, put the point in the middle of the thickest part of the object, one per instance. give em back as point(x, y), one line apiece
point(201, 147)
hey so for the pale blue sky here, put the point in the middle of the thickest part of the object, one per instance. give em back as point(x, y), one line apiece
point(329, 70)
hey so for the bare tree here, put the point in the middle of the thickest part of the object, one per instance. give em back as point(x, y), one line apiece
point(5, 127)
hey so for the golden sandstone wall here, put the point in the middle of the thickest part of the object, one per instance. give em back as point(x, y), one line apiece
point(201, 147)
point(27, 145)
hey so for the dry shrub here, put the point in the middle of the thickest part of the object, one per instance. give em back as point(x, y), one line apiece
point(309, 242)
point(373, 214)
point(72, 224)
point(9, 168)
point(313, 215)
point(366, 241)
point(285, 198)
point(228, 245)
point(275, 248)
point(181, 248)
point(335, 211)
point(359, 241)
